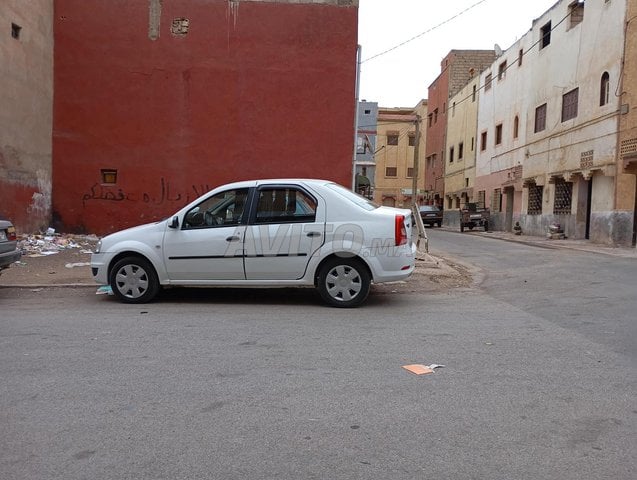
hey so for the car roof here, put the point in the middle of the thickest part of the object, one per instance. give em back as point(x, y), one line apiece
point(275, 181)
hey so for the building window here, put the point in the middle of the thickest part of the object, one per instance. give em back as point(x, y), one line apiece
point(498, 134)
point(109, 176)
point(367, 112)
point(410, 172)
point(460, 150)
point(412, 139)
point(481, 197)
point(363, 146)
point(563, 196)
point(569, 104)
point(473, 95)
point(451, 155)
point(516, 126)
point(436, 115)
point(430, 119)
point(540, 118)
point(502, 68)
point(472, 143)
point(545, 34)
point(487, 83)
point(496, 200)
point(576, 13)
point(535, 200)
point(15, 31)
point(483, 142)
point(520, 55)
point(391, 171)
point(392, 139)
point(453, 109)
point(604, 89)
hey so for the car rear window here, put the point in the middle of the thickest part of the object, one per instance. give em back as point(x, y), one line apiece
point(359, 200)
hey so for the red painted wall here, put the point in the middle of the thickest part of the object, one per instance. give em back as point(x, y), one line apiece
point(265, 90)
point(436, 137)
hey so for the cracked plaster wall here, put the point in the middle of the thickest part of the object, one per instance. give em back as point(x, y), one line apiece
point(26, 96)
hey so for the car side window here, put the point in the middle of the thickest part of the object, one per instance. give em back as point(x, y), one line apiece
point(221, 210)
point(284, 205)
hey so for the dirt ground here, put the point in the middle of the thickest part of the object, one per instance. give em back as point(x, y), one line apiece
point(70, 266)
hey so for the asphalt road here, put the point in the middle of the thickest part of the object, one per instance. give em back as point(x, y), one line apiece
point(216, 384)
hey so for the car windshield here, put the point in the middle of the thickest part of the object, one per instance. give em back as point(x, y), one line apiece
point(429, 208)
point(359, 200)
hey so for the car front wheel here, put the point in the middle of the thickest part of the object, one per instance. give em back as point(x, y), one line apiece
point(134, 280)
point(344, 282)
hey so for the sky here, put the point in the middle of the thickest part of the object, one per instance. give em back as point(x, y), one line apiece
point(400, 77)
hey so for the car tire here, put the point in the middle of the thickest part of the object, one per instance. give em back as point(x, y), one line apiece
point(439, 224)
point(486, 226)
point(344, 282)
point(134, 280)
point(461, 227)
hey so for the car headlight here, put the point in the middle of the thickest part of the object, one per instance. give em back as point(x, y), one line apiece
point(98, 247)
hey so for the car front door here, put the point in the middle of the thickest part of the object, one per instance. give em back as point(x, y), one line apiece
point(209, 243)
point(286, 227)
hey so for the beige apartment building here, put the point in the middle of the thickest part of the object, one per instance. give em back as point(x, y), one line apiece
point(460, 158)
point(395, 150)
point(627, 178)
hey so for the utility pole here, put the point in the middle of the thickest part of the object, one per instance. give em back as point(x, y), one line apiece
point(414, 184)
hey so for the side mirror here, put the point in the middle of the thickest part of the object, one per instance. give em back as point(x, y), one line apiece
point(174, 222)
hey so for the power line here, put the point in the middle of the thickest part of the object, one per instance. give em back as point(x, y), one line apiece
point(423, 33)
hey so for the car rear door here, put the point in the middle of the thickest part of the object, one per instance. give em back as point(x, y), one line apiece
point(286, 226)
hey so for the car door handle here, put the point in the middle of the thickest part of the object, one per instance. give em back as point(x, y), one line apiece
point(233, 238)
point(314, 234)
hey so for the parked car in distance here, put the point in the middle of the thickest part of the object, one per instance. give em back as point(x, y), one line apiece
point(9, 252)
point(431, 215)
point(264, 233)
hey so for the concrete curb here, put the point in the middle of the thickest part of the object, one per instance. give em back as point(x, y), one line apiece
point(51, 285)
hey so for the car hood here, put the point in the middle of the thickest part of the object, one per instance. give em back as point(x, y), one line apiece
point(139, 233)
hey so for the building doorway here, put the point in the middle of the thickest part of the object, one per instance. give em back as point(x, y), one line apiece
point(589, 202)
point(508, 219)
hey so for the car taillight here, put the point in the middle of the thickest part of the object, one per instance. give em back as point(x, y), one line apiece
point(400, 234)
point(11, 236)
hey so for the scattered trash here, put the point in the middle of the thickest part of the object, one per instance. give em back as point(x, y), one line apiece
point(104, 290)
point(51, 243)
point(78, 264)
point(555, 232)
point(418, 369)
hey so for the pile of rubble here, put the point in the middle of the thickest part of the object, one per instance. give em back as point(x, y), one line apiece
point(50, 243)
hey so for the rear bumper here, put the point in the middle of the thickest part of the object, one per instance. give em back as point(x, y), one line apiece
point(6, 259)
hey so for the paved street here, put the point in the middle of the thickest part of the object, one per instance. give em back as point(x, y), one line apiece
point(539, 378)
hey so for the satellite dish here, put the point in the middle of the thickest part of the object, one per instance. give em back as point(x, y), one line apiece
point(498, 50)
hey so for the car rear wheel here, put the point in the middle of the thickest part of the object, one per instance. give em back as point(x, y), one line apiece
point(134, 280)
point(344, 282)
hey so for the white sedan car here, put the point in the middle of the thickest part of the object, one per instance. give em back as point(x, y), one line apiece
point(264, 233)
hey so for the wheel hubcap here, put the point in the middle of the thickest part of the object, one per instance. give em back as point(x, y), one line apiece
point(343, 283)
point(131, 281)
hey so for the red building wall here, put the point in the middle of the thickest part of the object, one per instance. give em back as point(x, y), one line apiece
point(436, 138)
point(252, 90)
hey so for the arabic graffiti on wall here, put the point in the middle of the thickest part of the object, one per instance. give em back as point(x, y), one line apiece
point(105, 193)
